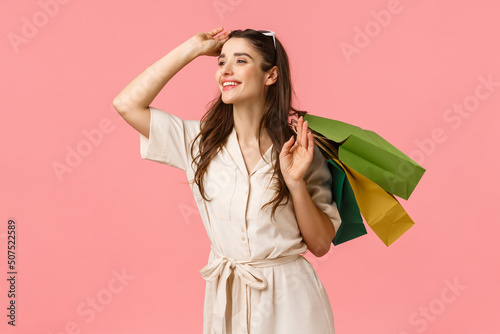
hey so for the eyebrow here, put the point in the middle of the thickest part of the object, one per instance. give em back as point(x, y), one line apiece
point(236, 54)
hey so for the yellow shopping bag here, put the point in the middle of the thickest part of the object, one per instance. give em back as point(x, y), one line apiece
point(381, 211)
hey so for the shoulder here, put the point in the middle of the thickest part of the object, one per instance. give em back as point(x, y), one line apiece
point(318, 160)
point(318, 171)
point(192, 127)
point(179, 127)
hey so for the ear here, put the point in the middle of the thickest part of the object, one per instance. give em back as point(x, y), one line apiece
point(272, 76)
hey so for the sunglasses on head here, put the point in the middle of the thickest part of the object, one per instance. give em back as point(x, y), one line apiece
point(269, 33)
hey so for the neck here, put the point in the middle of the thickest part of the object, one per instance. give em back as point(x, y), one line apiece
point(246, 124)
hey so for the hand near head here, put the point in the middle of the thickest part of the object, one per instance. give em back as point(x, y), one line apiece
point(208, 43)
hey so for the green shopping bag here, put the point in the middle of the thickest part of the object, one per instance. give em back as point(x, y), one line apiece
point(370, 155)
point(352, 223)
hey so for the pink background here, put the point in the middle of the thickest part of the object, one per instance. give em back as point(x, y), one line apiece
point(113, 212)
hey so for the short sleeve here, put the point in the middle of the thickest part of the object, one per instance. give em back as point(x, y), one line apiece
point(319, 185)
point(169, 139)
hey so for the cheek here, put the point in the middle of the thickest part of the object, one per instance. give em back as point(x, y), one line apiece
point(250, 78)
point(247, 73)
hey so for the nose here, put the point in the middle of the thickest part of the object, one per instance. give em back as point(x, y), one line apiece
point(226, 69)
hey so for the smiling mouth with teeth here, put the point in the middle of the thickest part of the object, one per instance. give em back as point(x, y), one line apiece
point(229, 85)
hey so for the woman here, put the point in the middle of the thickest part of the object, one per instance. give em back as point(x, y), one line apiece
point(256, 279)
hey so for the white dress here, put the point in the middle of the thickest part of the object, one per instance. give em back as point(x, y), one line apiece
point(257, 280)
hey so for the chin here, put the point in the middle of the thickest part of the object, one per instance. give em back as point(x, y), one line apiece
point(227, 100)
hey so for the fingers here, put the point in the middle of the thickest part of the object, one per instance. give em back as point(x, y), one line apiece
point(286, 147)
point(221, 39)
point(215, 31)
point(218, 30)
point(299, 130)
point(304, 135)
point(310, 148)
point(302, 132)
point(310, 140)
point(224, 36)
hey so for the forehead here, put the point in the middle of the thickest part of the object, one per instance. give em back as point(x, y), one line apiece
point(235, 45)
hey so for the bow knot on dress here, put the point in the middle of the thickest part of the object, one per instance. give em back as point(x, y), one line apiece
point(233, 263)
point(233, 311)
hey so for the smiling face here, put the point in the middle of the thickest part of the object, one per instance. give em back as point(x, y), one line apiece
point(240, 63)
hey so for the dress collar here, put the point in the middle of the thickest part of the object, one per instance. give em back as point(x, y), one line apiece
point(234, 150)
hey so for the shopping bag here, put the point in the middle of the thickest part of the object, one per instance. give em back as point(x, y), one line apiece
point(370, 155)
point(352, 223)
point(381, 210)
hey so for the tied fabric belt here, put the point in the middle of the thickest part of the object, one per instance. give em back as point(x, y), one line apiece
point(245, 277)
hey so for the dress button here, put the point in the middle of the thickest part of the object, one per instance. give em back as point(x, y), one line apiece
point(242, 229)
point(243, 238)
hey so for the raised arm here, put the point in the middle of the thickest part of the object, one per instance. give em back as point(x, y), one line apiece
point(132, 103)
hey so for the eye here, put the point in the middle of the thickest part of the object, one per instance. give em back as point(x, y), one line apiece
point(220, 63)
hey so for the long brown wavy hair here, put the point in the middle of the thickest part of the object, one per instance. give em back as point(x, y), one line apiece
point(217, 123)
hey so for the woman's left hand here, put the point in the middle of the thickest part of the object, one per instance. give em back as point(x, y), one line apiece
point(295, 160)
